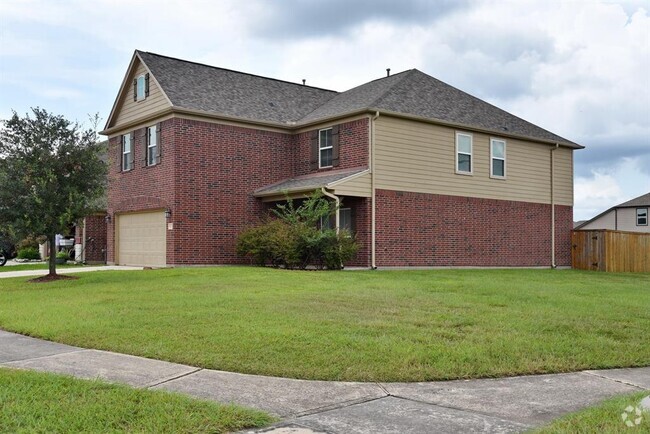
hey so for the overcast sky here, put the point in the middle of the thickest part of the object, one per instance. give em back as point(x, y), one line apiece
point(579, 68)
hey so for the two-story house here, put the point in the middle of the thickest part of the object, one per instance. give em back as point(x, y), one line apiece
point(425, 174)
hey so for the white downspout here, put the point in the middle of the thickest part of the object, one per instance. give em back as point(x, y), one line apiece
point(553, 264)
point(373, 263)
point(337, 200)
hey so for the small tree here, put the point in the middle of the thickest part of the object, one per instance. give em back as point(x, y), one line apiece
point(51, 174)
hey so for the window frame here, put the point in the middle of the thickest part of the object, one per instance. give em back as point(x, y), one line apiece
point(471, 154)
point(638, 216)
point(492, 158)
point(125, 160)
point(325, 148)
point(144, 88)
point(351, 228)
point(153, 130)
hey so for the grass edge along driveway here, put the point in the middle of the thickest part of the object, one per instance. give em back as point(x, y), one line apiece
point(415, 325)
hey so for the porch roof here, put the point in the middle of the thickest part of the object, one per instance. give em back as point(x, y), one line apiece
point(308, 183)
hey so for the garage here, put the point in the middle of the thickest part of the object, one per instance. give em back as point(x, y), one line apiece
point(141, 239)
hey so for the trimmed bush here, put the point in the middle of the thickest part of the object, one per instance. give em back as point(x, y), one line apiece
point(293, 240)
point(29, 253)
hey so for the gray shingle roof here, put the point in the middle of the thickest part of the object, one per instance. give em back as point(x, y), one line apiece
point(229, 93)
point(221, 91)
point(643, 200)
point(306, 182)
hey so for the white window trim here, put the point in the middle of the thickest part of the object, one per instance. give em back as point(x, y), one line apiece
point(492, 157)
point(149, 146)
point(124, 153)
point(646, 215)
point(320, 149)
point(471, 155)
point(144, 90)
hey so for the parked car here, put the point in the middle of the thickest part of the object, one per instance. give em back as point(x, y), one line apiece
point(7, 248)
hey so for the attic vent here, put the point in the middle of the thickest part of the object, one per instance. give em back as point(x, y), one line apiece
point(504, 128)
point(304, 81)
point(387, 72)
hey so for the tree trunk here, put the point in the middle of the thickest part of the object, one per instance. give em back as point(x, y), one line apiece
point(52, 254)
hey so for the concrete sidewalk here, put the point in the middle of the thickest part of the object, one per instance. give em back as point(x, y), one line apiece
point(493, 405)
point(25, 273)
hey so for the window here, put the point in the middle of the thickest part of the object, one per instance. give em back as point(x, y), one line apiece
point(141, 87)
point(345, 219)
point(498, 158)
point(325, 148)
point(464, 153)
point(127, 153)
point(642, 216)
point(153, 147)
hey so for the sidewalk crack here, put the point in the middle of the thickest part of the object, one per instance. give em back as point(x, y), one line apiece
point(167, 380)
point(614, 380)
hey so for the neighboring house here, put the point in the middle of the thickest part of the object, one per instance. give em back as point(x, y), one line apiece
point(628, 216)
point(427, 175)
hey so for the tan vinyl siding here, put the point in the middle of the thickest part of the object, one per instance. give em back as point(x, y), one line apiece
point(420, 157)
point(359, 187)
point(128, 110)
point(605, 221)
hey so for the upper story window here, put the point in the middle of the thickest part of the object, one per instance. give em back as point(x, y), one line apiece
point(325, 148)
point(141, 87)
point(642, 216)
point(464, 153)
point(127, 153)
point(153, 145)
point(498, 158)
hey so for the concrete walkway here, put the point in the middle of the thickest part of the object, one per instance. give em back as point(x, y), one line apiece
point(24, 273)
point(493, 405)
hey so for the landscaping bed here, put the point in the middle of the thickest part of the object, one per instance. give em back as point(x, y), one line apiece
point(357, 325)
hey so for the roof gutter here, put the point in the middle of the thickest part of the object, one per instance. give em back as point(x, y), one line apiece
point(337, 201)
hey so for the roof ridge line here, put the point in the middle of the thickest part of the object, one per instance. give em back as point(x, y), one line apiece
point(383, 95)
point(352, 88)
point(237, 72)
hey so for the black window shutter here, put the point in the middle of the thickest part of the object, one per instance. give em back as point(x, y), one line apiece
point(313, 162)
point(135, 89)
point(335, 145)
point(145, 141)
point(120, 153)
point(146, 85)
point(158, 143)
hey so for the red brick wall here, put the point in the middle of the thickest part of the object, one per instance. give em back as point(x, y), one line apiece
point(416, 229)
point(353, 148)
point(217, 169)
point(95, 238)
point(361, 210)
point(144, 187)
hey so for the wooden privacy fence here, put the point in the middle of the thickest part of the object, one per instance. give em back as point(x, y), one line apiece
point(614, 251)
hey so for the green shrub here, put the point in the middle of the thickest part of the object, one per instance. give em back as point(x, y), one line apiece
point(294, 239)
point(29, 253)
point(62, 255)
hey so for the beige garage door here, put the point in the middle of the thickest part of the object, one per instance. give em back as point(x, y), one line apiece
point(141, 239)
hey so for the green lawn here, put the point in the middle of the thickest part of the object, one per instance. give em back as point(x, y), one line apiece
point(604, 418)
point(35, 266)
point(44, 403)
point(357, 325)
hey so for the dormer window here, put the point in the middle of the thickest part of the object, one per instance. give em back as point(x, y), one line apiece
point(141, 87)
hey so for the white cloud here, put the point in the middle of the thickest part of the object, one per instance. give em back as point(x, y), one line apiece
point(605, 188)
